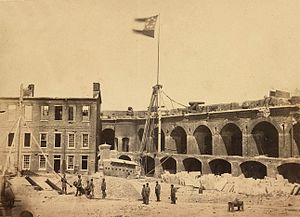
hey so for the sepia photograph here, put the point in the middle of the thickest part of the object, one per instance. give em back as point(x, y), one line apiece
point(127, 108)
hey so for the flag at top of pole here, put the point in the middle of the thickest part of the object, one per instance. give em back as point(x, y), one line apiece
point(149, 28)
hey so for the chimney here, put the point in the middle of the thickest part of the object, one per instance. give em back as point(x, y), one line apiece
point(31, 88)
point(96, 90)
point(29, 91)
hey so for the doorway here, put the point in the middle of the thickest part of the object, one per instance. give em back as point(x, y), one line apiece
point(57, 163)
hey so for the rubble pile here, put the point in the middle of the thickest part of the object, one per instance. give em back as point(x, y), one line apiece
point(228, 183)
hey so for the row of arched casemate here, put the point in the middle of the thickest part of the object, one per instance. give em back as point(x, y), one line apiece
point(250, 169)
point(262, 138)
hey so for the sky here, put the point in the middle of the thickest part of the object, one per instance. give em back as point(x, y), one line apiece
point(212, 51)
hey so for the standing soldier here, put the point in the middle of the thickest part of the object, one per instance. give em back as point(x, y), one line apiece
point(147, 193)
point(92, 186)
point(143, 194)
point(78, 186)
point(103, 188)
point(87, 189)
point(173, 194)
point(64, 184)
point(157, 191)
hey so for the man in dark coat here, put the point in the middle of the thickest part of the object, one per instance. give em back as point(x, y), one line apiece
point(173, 194)
point(147, 193)
point(103, 188)
point(87, 190)
point(143, 193)
point(92, 186)
point(157, 191)
point(78, 186)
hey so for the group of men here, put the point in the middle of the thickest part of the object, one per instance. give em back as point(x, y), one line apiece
point(88, 190)
point(146, 193)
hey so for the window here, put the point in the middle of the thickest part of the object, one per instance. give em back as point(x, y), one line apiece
point(125, 144)
point(58, 112)
point(26, 162)
point(57, 140)
point(85, 140)
point(10, 139)
point(71, 140)
point(44, 112)
point(28, 113)
point(27, 138)
point(70, 162)
point(42, 162)
point(85, 113)
point(12, 111)
point(84, 162)
point(71, 113)
point(43, 140)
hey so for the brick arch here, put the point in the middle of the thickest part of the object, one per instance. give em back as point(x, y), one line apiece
point(179, 139)
point(219, 166)
point(266, 138)
point(203, 137)
point(253, 123)
point(192, 164)
point(226, 122)
point(294, 133)
point(232, 137)
point(131, 156)
point(148, 165)
point(169, 163)
point(108, 128)
point(108, 137)
point(125, 157)
point(168, 130)
point(253, 169)
point(290, 171)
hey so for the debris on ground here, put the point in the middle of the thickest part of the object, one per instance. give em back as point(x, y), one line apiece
point(228, 183)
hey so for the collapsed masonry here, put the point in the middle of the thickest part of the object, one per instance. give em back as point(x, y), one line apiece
point(228, 183)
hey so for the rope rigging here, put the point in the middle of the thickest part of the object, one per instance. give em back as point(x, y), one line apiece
point(172, 100)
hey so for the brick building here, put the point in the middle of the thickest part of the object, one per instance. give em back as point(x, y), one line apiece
point(65, 130)
point(256, 138)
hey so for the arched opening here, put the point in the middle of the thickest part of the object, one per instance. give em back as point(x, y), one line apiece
point(290, 171)
point(140, 134)
point(155, 139)
point(232, 137)
point(203, 137)
point(179, 137)
point(219, 166)
point(169, 164)
point(254, 169)
point(125, 144)
point(108, 137)
point(192, 164)
point(125, 157)
point(266, 138)
point(295, 138)
point(148, 165)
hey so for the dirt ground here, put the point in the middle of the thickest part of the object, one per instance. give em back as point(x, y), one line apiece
point(124, 199)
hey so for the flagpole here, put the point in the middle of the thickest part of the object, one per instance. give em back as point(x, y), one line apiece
point(158, 36)
point(158, 91)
